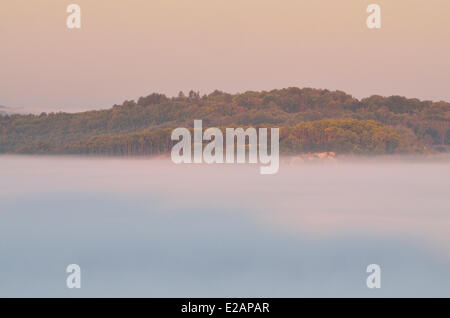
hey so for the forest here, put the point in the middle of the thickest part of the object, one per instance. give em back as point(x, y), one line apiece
point(310, 120)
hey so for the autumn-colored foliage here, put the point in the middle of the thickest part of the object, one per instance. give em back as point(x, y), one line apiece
point(309, 120)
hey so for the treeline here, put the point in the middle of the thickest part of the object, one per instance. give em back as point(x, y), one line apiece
point(337, 135)
point(310, 120)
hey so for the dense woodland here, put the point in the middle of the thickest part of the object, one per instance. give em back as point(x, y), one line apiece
point(310, 120)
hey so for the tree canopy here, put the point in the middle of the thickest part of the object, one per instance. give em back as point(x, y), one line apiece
point(309, 120)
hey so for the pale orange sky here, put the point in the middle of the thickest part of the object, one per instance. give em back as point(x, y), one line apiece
point(126, 49)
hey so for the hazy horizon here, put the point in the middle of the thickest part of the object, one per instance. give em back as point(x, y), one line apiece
point(37, 110)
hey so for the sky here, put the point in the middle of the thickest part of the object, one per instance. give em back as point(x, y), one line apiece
point(128, 49)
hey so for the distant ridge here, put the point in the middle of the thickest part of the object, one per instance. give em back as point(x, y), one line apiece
point(2, 112)
point(5, 110)
point(310, 120)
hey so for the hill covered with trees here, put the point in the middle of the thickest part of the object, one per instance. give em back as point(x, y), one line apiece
point(310, 120)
